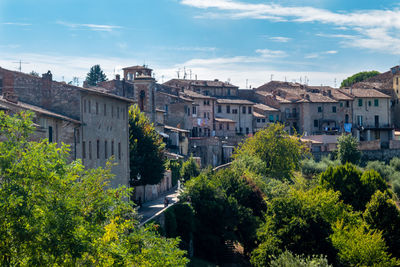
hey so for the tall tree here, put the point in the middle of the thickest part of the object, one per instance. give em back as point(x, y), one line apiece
point(358, 77)
point(95, 75)
point(146, 149)
point(348, 149)
point(55, 213)
point(280, 152)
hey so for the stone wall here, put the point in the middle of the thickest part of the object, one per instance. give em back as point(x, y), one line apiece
point(151, 192)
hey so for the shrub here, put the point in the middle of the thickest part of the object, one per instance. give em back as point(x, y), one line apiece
point(287, 259)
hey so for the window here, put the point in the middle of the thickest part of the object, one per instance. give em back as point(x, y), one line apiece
point(98, 149)
point(263, 120)
point(123, 113)
point(360, 102)
point(315, 123)
point(83, 149)
point(341, 104)
point(112, 148)
point(258, 120)
point(234, 111)
point(97, 108)
point(50, 134)
point(227, 126)
point(347, 104)
point(84, 106)
point(220, 126)
point(319, 109)
point(194, 111)
point(228, 109)
point(90, 149)
point(77, 136)
point(376, 102)
point(117, 112)
point(244, 110)
point(247, 130)
point(205, 115)
point(240, 130)
point(105, 150)
point(208, 115)
point(359, 120)
point(346, 118)
point(89, 106)
point(249, 110)
point(334, 109)
point(229, 91)
point(105, 110)
point(166, 108)
point(219, 108)
point(119, 150)
point(369, 103)
point(271, 118)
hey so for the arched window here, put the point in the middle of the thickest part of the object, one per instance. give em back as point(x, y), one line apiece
point(141, 100)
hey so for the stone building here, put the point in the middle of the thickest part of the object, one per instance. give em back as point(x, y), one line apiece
point(371, 115)
point(213, 88)
point(265, 115)
point(101, 118)
point(238, 110)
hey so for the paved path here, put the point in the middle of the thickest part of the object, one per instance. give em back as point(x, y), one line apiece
point(151, 208)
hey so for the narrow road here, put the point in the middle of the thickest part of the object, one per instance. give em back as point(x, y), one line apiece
point(151, 208)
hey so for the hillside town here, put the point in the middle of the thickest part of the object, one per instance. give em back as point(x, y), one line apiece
point(203, 118)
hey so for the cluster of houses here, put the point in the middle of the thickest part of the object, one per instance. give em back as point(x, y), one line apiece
point(203, 118)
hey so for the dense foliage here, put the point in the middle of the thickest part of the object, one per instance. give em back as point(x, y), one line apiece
point(95, 75)
point(146, 150)
point(334, 215)
point(189, 169)
point(280, 152)
point(358, 77)
point(348, 149)
point(55, 213)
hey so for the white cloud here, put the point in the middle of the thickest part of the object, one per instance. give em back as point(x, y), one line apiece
point(190, 48)
point(16, 23)
point(376, 29)
point(280, 39)
point(267, 53)
point(319, 54)
point(92, 27)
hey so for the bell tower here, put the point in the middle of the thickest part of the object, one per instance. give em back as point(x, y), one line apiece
point(144, 89)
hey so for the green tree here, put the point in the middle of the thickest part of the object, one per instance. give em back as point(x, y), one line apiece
point(280, 152)
point(358, 77)
point(95, 75)
point(355, 187)
point(287, 259)
point(55, 213)
point(382, 214)
point(359, 246)
point(146, 150)
point(348, 149)
point(189, 169)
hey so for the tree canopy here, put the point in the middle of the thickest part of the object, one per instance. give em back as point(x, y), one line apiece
point(358, 77)
point(95, 75)
point(348, 149)
point(55, 213)
point(280, 152)
point(146, 149)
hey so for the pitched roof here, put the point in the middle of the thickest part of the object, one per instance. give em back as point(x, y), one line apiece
point(273, 85)
point(195, 95)
point(258, 115)
point(204, 83)
point(4, 103)
point(365, 93)
point(234, 101)
point(265, 107)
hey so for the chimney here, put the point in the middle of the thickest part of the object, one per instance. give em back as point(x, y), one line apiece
point(117, 77)
point(330, 92)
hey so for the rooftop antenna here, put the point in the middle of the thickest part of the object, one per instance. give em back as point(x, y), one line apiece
point(196, 76)
point(272, 76)
point(300, 80)
point(285, 79)
point(162, 78)
point(184, 73)
point(20, 62)
point(247, 80)
point(334, 82)
point(190, 74)
point(179, 70)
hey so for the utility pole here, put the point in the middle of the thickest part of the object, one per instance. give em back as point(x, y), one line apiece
point(20, 62)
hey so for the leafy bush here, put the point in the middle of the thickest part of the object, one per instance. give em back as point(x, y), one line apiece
point(386, 171)
point(287, 259)
point(348, 149)
point(190, 169)
point(311, 168)
point(395, 164)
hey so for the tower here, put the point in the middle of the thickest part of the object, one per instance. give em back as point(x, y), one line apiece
point(144, 89)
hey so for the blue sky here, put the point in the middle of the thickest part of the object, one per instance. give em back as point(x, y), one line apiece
point(244, 41)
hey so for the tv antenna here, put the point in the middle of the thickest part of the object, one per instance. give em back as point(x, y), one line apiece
point(179, 70)
point(20, 62)
point(272, 76)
